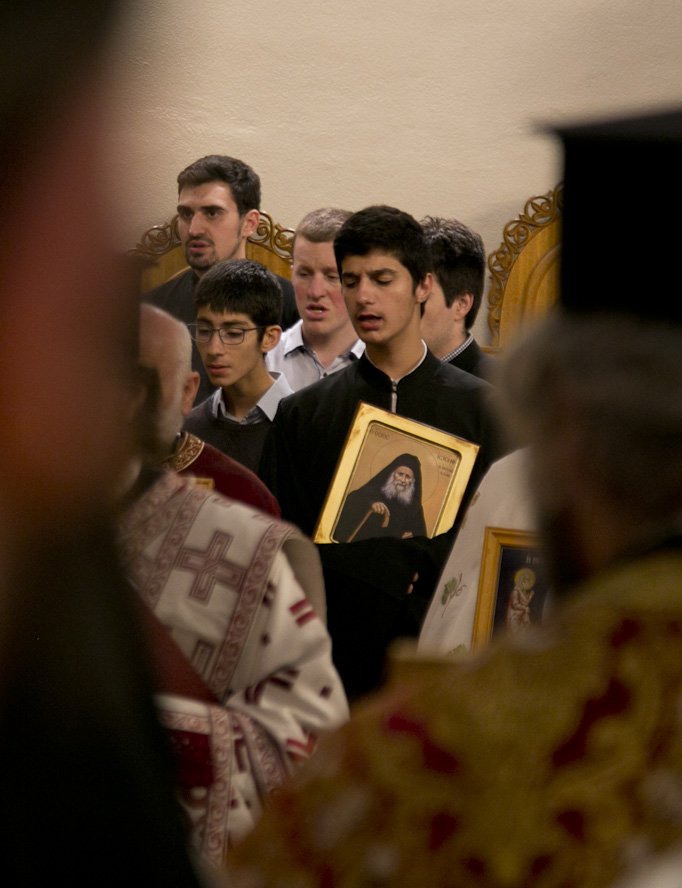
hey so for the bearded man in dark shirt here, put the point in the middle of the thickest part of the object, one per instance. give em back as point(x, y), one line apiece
point(218, 210)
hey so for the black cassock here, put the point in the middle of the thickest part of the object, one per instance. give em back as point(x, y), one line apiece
point(367, 582)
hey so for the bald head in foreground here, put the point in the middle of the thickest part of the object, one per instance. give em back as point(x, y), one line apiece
point(165, 345)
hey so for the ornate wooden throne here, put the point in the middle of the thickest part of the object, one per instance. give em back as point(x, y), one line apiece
point(525, 268)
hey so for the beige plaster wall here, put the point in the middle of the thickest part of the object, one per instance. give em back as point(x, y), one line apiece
point(433, 106)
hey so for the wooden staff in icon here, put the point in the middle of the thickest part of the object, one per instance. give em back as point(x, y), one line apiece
point(384, 523)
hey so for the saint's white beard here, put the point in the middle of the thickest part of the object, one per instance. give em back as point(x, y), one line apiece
point(391, 490)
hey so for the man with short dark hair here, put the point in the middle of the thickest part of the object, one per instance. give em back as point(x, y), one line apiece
point(238, 306)
point(384, 263)
point(459, 261)
point(166, 346)
point(218, 204)
point(324, 340)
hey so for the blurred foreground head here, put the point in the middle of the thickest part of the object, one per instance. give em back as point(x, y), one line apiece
point(67, 318)
point(85, 790)
point(599, 400)
point(597, 389)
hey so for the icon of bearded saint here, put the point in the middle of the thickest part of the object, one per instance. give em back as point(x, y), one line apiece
point(388, 505)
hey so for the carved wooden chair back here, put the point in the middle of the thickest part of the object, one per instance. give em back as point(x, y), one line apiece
point(160, 247)
point(525, 268)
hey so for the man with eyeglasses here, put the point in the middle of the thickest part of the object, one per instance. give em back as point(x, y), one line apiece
point(238, 308)
point(166, 349)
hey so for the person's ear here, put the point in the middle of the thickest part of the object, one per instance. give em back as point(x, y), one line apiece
point(423, 289)
point(189, 391)
point(271, 337)
point(462, 305)
point(250, 222)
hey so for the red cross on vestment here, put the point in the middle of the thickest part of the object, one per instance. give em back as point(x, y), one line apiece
point(210, 566)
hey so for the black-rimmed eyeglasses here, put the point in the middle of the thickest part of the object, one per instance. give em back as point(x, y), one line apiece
point(203, 333)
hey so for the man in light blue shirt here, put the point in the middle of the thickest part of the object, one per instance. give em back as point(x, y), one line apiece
point(324, 340)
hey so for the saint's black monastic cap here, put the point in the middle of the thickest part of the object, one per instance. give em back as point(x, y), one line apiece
point(622, 228)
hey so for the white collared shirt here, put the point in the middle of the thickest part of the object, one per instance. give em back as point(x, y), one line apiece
point(266, 408)
point(292, 357)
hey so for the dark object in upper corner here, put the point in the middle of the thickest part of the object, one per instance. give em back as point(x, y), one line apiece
point(622, 193)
